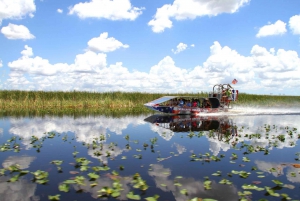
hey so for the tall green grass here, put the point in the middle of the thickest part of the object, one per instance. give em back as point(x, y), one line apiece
point(59, 103)
point(268, 100)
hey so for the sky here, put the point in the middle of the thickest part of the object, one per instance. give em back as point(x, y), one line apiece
point(165, 46)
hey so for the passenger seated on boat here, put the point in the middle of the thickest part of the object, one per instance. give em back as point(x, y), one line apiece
point(194, 104)
point(189, 104)
point(175, 102)
point(181, 103)
point(206, 104)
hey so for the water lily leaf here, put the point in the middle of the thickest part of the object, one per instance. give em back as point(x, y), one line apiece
point(70, 181)
point(93, 184)
point(79, 180)
point(115, 173)
point(164, 185)
point(195, 199)
point(53, 197)
point(277, 182)
point(177, 184)
point(116, 194)
point(93, 175)
point(23, 172)
point(130, 195)
point(184, 191)
point(41, 181)
point(285, 196)
point(207, 182)
point(225, 181)
point(14, 178)
point(261, 176)
point(84, 168)
point(2, 171)
point(271, 192)
point(39, 174)
point(245, 193)
point(74, 172)
point(124, 157)
point(208, 199)
point(14, 168)
point(252, 187)
point(154, 198)
point(56, 162)
point(246, 159)
point(64, 187)
point(244, 174)
point(218, 173)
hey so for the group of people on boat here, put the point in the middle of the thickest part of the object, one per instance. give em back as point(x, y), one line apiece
point(187, 103)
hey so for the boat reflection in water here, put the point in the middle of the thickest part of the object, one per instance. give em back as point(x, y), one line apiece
point(220, 125)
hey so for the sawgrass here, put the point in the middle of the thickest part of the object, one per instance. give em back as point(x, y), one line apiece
point(84, 103)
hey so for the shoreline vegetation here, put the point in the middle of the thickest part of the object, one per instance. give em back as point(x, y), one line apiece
point(110, 103)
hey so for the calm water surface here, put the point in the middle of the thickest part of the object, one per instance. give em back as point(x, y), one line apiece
point(177, 158)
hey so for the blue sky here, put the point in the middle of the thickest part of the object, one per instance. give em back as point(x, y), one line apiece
point(150, 46)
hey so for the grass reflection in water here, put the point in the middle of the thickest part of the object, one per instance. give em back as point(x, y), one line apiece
point(192, 158)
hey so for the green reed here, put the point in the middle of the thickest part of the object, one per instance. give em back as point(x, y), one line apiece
point(268, 100)
point(79, 102)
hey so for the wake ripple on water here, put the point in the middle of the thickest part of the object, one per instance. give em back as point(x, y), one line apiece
point(244, 110)
point(250, 110)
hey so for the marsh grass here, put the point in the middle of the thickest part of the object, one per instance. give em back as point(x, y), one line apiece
point(77, 102)
point(268, 100)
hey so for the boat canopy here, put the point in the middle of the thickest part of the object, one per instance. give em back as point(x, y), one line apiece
point(162, 99)
point(167, 98)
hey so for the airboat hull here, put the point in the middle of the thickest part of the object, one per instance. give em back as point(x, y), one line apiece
point(184, 110)
point(217, 101)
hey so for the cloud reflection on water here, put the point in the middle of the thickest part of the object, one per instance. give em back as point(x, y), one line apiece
point(194, 188)
point(86, 129)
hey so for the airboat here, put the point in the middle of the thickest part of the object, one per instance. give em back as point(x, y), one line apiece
point(219, 100)
point(186, 123)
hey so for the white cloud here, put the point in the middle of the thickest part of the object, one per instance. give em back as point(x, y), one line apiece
point(60, 10)
point(15, 32)
point(180, 47)
point(89, 62)
point(264, 70)
point(27, 52)
point(278, 28)
point(294, 24)
point(105, 44)
point(108, 9)
point(85, 63)
point(1, 63)
point(16, 9)
point(192, 45)
point(190, 9)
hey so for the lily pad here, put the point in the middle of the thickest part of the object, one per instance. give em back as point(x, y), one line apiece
point(130, 195)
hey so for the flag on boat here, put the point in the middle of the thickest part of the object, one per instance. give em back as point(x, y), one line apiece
point(234, 81)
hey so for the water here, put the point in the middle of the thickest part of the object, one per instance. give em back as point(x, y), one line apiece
point(176, 157)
